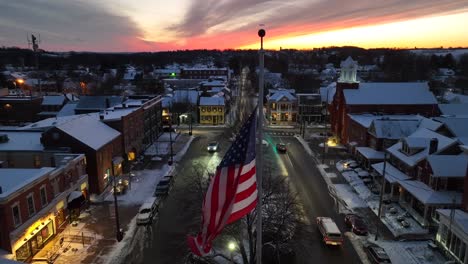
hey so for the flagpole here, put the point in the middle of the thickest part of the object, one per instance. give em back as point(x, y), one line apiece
point(259, 160)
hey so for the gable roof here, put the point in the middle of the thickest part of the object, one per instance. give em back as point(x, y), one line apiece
point(420, 139)
point(448, 165)
point(457, 125)
point(98, 102)
point(89, 130)
point(185, 96)
point(390, 94)
point(278, 95)
point(212, 101)
point(68, 109)
point(393, 129)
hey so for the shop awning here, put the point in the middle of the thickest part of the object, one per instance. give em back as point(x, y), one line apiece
point(75, 199)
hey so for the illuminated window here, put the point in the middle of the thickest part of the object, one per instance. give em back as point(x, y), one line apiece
point(273, 106)
point(7, 106)
point(37, 161)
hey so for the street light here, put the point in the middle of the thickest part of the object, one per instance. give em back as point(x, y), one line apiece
point(116, 161)
point(232, 246)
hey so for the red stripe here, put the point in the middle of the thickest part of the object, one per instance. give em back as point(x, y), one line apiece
point(239, 214)
point(246, 176)
point(230, 192)
point(245, 193)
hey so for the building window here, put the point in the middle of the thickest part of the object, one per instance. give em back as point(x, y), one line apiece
point(220, 109)
point(215, 109)
point(16, 214)
point(30, 200)
point(273, 106)
point(37, 161)
point(43, 196)
point(208, 109)
point(55, 186)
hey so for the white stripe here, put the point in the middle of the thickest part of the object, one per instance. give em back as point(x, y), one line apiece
point(207, 210)
point(248, 167)
point(244, 203)
point(245, 185)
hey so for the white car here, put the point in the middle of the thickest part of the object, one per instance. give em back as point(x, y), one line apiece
point(213, 146)
point(147, 211)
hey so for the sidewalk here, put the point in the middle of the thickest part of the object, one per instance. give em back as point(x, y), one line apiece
point(92, 238)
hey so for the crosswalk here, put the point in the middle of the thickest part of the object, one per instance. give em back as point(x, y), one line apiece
point(279, 133)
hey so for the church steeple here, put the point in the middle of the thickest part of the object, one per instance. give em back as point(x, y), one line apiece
point(348, 71)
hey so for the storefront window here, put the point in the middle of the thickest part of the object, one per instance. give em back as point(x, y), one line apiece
point(23, 252)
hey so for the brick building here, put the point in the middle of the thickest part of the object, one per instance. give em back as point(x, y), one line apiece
point(36, 201)
point(352, 97)
point(19, 109)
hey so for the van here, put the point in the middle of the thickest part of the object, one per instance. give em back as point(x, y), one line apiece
point(330, 232)
point(147, 211)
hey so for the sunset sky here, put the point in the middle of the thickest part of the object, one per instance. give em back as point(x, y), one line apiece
point(154, 25)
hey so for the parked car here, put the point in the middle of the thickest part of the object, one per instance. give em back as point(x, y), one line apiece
point(212, 146)
point(377, 254)
point(357, 224)
point(147, 211)
point(163, 187)
point(281, 147)
point(121, 186)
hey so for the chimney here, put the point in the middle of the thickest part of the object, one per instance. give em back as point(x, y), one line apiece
point(433, 144)
point(107, 103)
point(101, 116)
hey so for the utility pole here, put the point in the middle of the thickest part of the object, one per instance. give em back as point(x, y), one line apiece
point(382, 191)
point(326, 130)
point(170, 140)
point(261, 34)
point(119, 234)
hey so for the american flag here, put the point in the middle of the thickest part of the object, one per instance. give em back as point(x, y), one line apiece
point(232, 192)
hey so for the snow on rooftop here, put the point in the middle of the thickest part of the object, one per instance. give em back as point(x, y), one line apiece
point(392, 174)
point(89, 131)
point(448, 165)
point(54, 121)
point(457, 125)
point(416, 93)
point(393, 129)
point(185, 96)
point(454, 109)
point(460, 218)
point(365, 120)
point(280, 94)
point(426, 195)
point(53, 99)
point(211, 101)
point(430, 124)
point(19, 141)
point(12, 180)
point(425, 135)
point(370, 153)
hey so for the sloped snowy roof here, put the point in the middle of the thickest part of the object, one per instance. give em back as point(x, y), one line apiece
point(330, 89)
point(279, 94)
point(211, 101)
point(427, 196)
point(457, 125)
point(430, 124)
point(12, 180)
point(392, 174)
point(454, 166)
point(365, 120)
point(98, 102)
point(349, 62)
point(460, 218)
point(420, 138)
point(89, 131)
point(21, 141)
point(370, 153)
point(53, 99)
point(185, 96)
point(393, 129)
point(54, 121)
point(390, 94)
point(456, 98)
point(454, 109)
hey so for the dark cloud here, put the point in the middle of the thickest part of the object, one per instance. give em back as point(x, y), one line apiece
point(309, 16)
point(76, 25)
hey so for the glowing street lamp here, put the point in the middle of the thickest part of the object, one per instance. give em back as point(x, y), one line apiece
point(20, 81)
point(232, 246)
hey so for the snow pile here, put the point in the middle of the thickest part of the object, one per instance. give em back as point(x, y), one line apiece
point(122, 249)
point(304, 144)
point(182, 152)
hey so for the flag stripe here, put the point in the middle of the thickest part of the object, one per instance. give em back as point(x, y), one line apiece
point(232, 192)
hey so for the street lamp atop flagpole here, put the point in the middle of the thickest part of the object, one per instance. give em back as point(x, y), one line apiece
point(261, 34)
